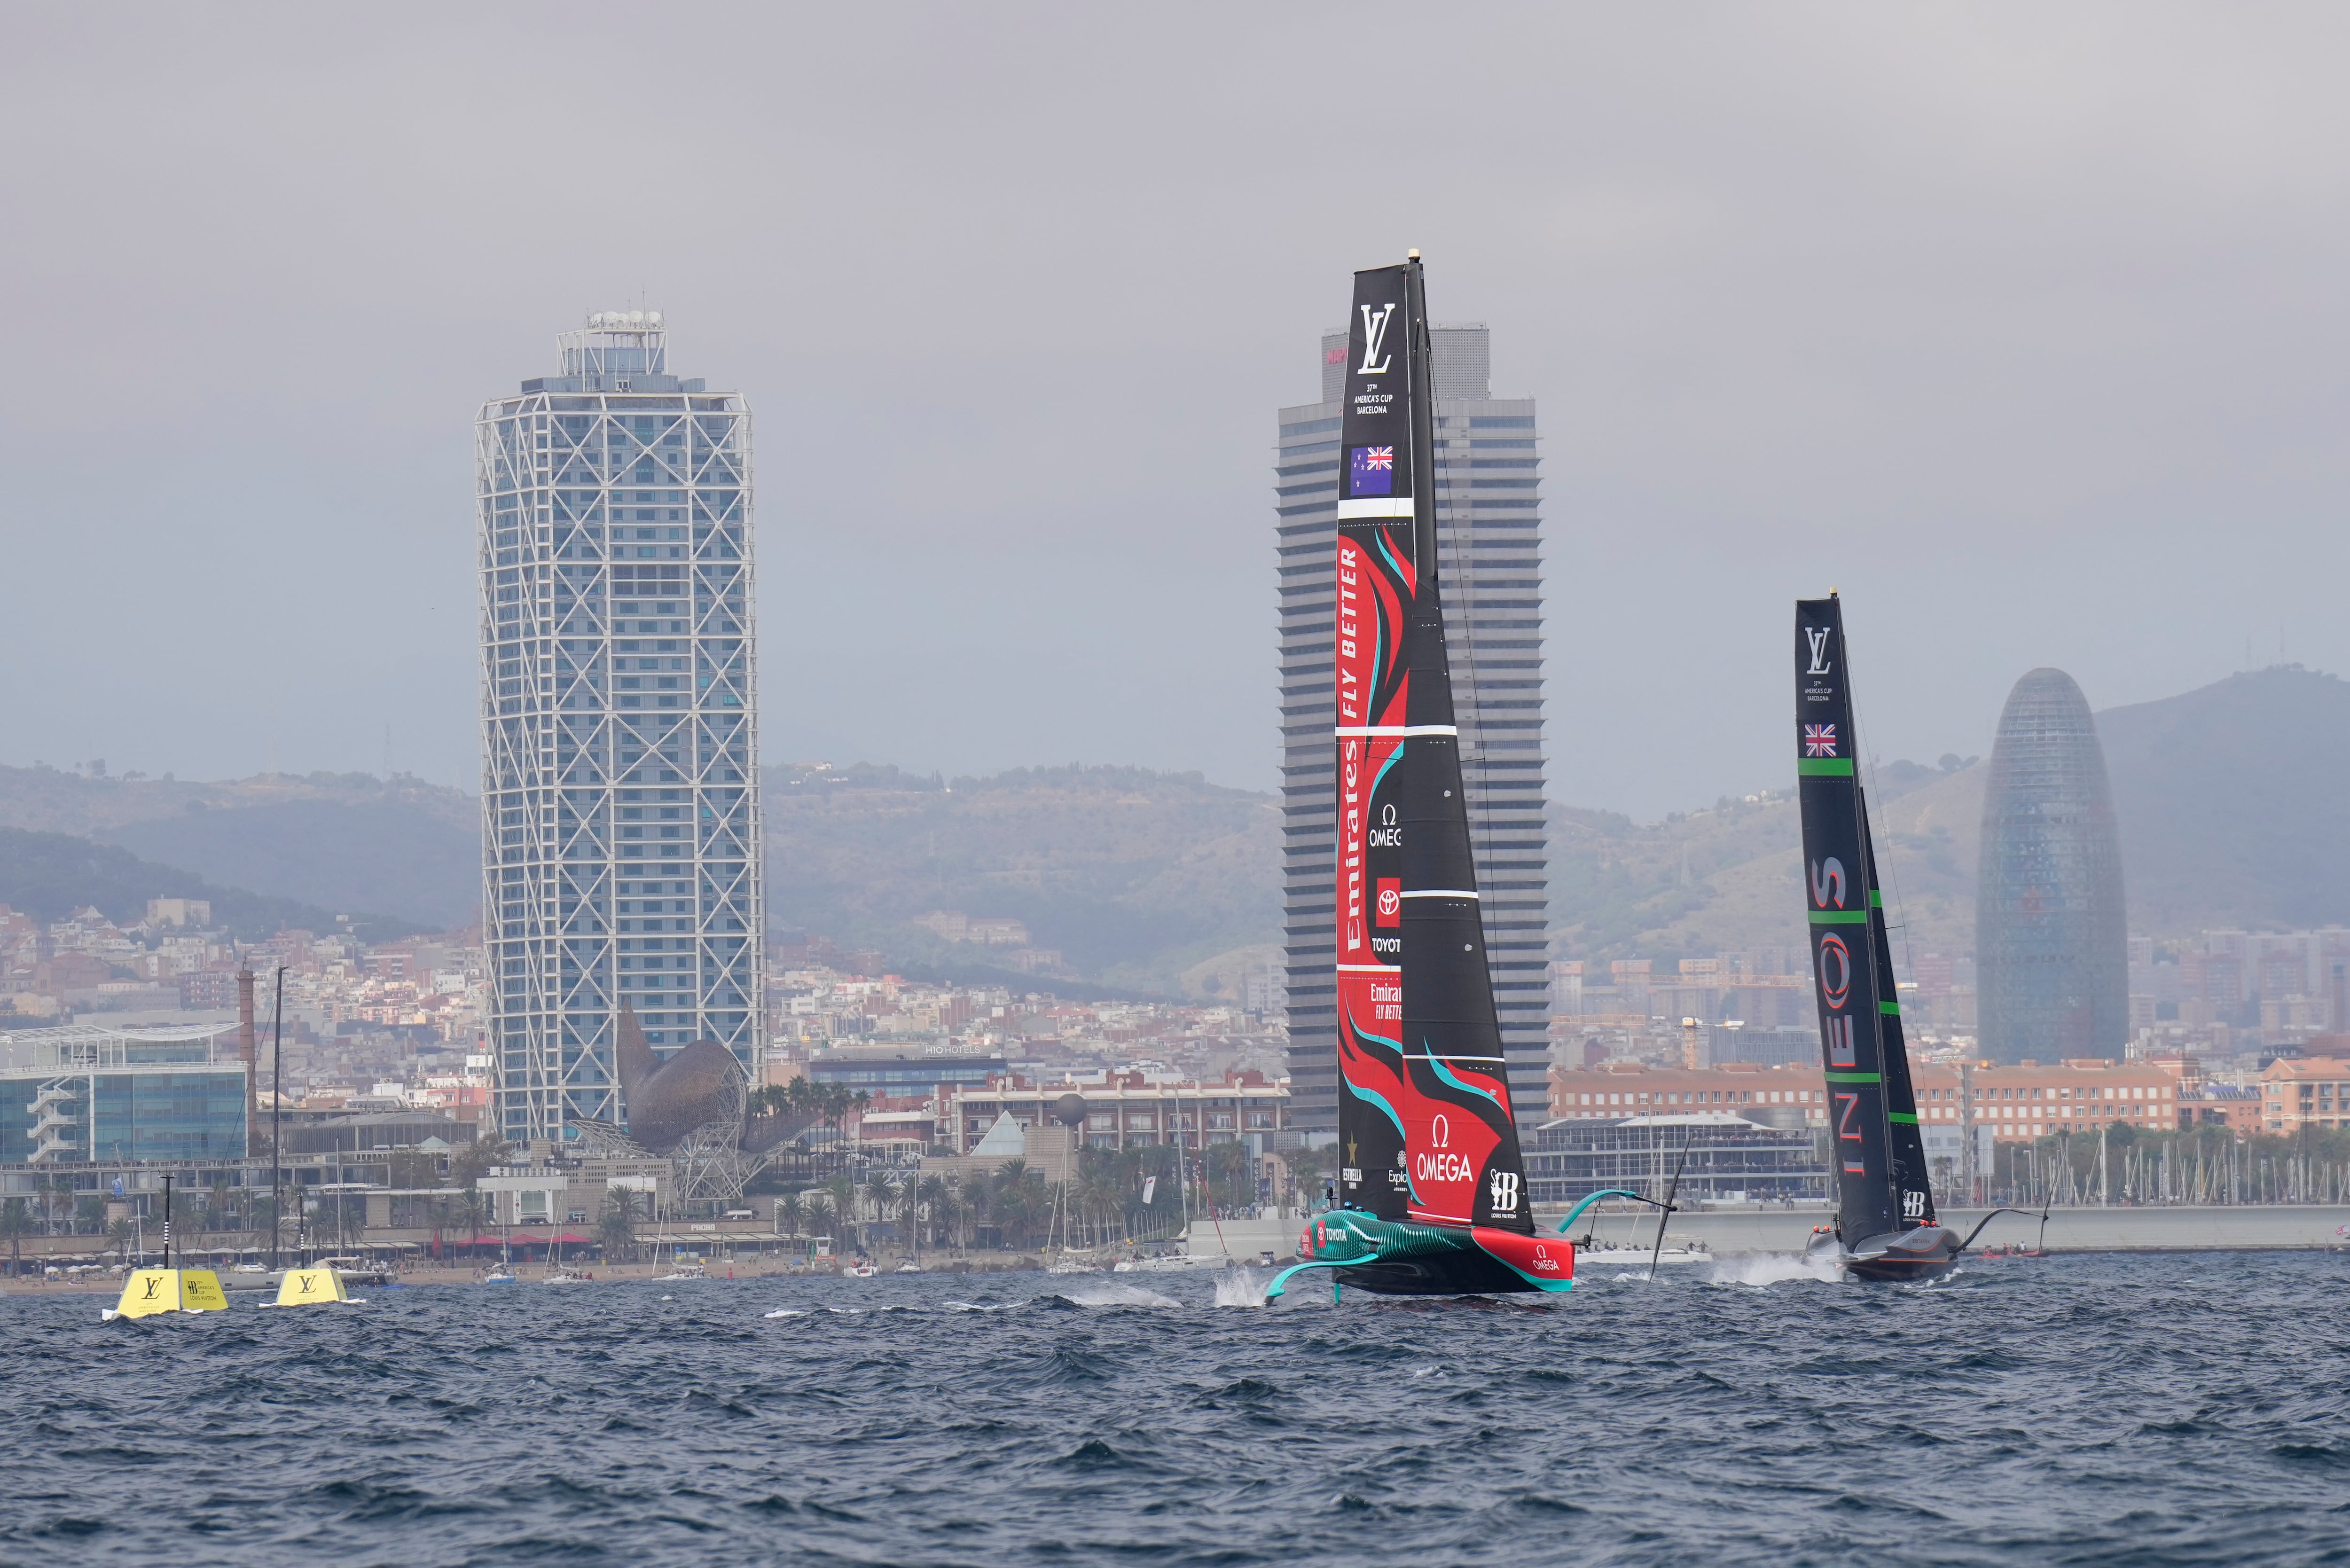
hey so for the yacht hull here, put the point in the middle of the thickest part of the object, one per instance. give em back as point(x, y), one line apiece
point(1918, 1254)
point(1408, 1258)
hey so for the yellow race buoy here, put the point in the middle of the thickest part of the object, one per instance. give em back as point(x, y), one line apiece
point(309, 1287)
point(151, 1291)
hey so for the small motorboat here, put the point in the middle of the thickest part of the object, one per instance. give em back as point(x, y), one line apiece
point(563, 1278)
point(499, 1277)
point(861, 1271)
point(909, 1267)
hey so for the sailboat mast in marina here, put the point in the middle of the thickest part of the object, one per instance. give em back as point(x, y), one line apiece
point(1885, 1224)
point(1432, 1197)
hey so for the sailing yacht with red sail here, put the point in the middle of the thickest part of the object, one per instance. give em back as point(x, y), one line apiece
point(1431, 1196)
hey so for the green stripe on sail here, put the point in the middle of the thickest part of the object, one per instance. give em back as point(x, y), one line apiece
point(1856, 1078)
point(1839, 916)
point(1823, 767)
point(1890, 1009)
point(1875, 899)
point(1907, 1118)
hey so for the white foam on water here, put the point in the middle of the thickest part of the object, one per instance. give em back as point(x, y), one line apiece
point(1772, 1268)
point(779, 1312)
point(1242, 1287)
point(977, 1306)
point(1113, 1295)
point(1935, 1282)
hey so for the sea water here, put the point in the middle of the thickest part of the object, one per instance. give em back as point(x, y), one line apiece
point(2083, 1410)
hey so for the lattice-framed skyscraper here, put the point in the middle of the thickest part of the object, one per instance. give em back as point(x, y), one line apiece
point(1489, 550)
point(619, 729)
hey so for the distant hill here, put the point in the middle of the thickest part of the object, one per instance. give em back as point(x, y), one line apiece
point(341, 841)
point(1727, 878)
point(1135, 877)
point(2234, 803)
point(50, 875)
point(2232, 800)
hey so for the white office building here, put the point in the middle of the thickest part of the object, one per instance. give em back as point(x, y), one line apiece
point(620, 731)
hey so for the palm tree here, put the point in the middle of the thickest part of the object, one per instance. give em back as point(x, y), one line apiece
point(880, 1195)
point(1100, 1197)
point(820, 1217)
point(617, 1229)
point(55, 1197)
point(978, 1204)
point(475, 1209)
point(216, 1204)
point(787, 1214)
point(843, 1189)
point(909, 1210)
point(1020, 1197)
point(17, 1222)
point(122, 1233)
point(933, 1194)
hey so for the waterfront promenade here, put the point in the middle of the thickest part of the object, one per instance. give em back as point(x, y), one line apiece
point(2238, 1228)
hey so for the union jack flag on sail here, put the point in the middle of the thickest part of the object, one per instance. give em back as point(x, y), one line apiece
point(1819, 740)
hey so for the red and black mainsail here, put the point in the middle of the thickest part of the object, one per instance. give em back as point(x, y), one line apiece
point(1425, 1131)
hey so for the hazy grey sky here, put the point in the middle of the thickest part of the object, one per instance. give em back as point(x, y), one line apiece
point(2024, 324)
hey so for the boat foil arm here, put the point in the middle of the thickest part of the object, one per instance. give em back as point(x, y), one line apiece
point(2020, 1213)
point(1576, 1213)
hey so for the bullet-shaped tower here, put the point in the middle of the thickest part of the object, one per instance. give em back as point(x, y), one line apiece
point(2051, 949)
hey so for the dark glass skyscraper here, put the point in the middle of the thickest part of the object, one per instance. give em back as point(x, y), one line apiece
point(2051, 949)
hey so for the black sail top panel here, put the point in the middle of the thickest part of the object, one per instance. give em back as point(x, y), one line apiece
point(1845, 972)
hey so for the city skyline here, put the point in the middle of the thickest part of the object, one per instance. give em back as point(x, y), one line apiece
point(1775, 310)
point(620, 839)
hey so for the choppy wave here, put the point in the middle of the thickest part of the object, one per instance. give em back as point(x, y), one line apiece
point(2085, 1409)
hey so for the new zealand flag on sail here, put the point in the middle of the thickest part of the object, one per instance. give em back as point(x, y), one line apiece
point(1371, 471)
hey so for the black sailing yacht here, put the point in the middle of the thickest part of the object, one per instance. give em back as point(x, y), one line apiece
point(1886, 1227)
point(1431, 1196)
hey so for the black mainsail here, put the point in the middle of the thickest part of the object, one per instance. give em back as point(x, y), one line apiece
point(1886, 1225)
point(1433, 1189)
